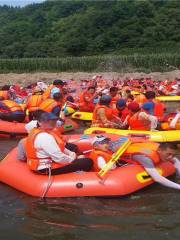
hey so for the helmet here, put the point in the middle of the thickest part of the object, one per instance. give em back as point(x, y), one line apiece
point(121, 103)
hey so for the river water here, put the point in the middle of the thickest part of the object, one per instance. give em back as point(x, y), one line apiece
point(153, 213)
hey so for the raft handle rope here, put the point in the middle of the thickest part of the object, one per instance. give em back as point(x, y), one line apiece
point(48, 183)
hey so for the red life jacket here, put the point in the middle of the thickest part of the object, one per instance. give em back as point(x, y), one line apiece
point(135, 123)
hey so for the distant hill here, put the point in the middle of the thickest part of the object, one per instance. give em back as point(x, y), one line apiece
point(76, 28)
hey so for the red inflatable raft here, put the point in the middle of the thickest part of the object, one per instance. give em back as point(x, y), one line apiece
point(119, 182)
point(14, 129)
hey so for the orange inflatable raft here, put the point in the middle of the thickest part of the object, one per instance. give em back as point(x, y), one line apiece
point(15, 129)
point(119, 182)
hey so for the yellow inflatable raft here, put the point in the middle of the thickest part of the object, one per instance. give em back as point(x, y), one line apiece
point(159, 136)
point(84, 116)
point(162, 98)
point(168, 98)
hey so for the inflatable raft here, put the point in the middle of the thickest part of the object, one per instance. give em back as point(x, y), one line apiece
point(159, 136)
point(168, 98)
point(84, 116)
point(119, 182)
point(14, 129)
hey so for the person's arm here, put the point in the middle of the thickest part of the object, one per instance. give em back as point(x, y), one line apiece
point(174, 121)
point(152, 119)
point(151, 170)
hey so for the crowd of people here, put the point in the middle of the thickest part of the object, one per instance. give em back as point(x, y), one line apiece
point(129, 104)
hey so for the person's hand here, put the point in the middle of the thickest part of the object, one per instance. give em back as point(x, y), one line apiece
point(178, 110)
point(81, 156)
point(72, 155)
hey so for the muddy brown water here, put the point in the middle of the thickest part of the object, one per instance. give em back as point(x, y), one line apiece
point(153, 213)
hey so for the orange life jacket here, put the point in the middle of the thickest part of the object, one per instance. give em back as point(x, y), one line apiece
point(4, 94)
point(141, 99)
point(32, 160)
point(47, 93)
point(146, 149)
point(13, 106)
point(108, 112)
point(95, 154)
point(48, 105)
point(34, 102)
point(166, 126)
point(135, 123)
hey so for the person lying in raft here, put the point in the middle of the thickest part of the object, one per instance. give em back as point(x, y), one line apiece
point(147, 155)
point(46, 150)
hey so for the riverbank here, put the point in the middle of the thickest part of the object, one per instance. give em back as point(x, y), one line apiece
point(27, 78)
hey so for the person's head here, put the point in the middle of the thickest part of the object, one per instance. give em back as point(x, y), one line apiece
point(101, 143)
point(167, 151)
point(37, 114)
point(47, 121)
point(58, 82)
point(70, 99)
point(105, 100)
point(128, 91)
point(113, 91)
point(1, 98)
point(37, 90)
point(121, 104)
point(91, 89)
point(134, 107)
point(5, 87)
point(150, 95)
point(57, 96)
point(130, 98)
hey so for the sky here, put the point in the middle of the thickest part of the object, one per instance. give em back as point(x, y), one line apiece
point(21, 3)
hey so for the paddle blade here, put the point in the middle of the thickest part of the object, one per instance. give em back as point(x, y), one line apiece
point(125, 144)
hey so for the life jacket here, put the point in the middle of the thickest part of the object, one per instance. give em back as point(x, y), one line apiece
point(32, 160)
point(159, 110)
point(141, 99)
point(85, 105)
point(114, 100)
point(12, 106)
point(95, 154)
point(108, 111)
point(4, 94)
point(135, 123)
point(166, 126)
point(146, 149)
point(48, 105)
point(33, 102)
point(47, 93)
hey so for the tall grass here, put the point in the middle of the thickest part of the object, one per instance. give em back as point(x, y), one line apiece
point(106, 63)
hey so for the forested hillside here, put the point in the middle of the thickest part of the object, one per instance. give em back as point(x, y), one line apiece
point(78, 28)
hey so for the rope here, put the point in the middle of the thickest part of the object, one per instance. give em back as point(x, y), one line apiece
point(48, 184)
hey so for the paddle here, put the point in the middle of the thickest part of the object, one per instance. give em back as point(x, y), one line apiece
point(115, 157)
point(62, 112)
